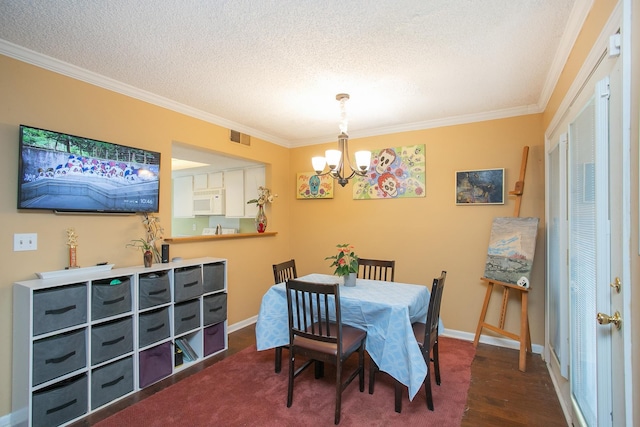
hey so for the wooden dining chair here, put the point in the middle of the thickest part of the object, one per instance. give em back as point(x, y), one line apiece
point(376, 269)
point(314, 336)
point(427, 336)
point(284, 270)
point(281, 273)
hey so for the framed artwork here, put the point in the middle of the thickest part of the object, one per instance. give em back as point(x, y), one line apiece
point(311, 186)
point(395, 172)
point(512, 245)
point(480, 187)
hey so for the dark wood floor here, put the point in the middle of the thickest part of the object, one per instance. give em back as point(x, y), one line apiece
point(499, 395)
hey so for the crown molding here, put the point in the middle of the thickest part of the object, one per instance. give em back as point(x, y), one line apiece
point(428, 124)
point(575, 22)
point(48, 63)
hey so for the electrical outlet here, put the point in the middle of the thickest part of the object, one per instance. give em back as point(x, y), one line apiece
point(25, 242)
point(193, 227)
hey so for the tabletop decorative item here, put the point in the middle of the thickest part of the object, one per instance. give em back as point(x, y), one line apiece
point(264, 197)
point(148, 245)
point(72, 242)
point(346, 263)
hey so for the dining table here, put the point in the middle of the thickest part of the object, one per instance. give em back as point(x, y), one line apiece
point(384, 309)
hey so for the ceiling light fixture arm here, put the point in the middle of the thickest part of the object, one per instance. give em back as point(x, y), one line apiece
point(335, 159)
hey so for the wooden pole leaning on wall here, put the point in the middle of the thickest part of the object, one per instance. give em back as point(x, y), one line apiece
point(524, 338)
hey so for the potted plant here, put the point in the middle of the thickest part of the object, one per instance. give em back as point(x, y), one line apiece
point(146, 248)
point(148, 245)
point(346, 263)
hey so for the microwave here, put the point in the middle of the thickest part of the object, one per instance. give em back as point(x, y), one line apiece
point(208, 202)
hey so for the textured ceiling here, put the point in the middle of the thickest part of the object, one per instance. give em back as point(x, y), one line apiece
point(272, 68)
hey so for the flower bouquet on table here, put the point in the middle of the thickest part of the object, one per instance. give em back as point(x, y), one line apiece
point(346, 263)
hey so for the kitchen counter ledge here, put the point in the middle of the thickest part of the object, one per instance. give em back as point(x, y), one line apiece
point(189, 239)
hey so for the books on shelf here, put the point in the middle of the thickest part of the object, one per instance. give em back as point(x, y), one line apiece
point(188, 353)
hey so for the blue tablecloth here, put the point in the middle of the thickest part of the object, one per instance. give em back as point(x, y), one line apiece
point(385, 309)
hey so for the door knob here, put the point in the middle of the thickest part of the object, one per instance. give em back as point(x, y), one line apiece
point(605, 319)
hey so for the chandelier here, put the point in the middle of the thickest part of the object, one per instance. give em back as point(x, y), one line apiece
point(335, 159)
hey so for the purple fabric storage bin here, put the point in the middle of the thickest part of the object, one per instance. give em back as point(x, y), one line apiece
point(214, 338)
point(155, 364)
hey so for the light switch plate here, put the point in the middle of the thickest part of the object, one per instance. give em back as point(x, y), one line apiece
point(25, 242)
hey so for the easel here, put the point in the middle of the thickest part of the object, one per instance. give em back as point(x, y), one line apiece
point(525, 336)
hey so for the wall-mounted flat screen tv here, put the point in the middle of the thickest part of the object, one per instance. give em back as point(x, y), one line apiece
point(67, 173)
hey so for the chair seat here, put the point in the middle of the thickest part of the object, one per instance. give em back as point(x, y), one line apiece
point(351, 339)
point(418, 331)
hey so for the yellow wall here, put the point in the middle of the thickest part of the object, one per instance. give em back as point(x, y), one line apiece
point(430, 234)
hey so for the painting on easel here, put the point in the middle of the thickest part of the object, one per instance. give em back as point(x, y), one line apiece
point(511, 248)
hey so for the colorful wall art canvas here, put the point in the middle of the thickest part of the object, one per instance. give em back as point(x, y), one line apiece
point(311, 186)
point(484, 187)
point(395, 172)
point(511, 248)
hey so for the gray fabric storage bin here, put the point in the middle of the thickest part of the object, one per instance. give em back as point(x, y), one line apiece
point(60, 403)
point(213, 277)
point(58, 355)
point(153, 289)
point(214, 308)
point(155, 363)
point(186, 316)
point(111, 339)
point(187, 283)
point(59, 308)
point(153, 326)
point(111, 381)
point(110, 297)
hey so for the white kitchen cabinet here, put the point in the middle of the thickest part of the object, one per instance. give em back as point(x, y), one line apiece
point(241, 185)
point(216, 180)
point(183, 197)
point(253, 178)
point(201, 181)
point(234, 193)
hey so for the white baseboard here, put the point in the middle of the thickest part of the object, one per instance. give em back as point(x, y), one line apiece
point(242, 324)
point(497, 341)
point(465, 336)
point(5, 420)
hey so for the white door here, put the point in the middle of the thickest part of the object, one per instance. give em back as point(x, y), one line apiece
point(595, 258)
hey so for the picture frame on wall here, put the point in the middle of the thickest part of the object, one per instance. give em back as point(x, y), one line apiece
point(480, 187)
point(310, 185)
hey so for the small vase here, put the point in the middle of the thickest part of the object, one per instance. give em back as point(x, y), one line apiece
point(261, 220)
point(350, 279)
point(148, 259)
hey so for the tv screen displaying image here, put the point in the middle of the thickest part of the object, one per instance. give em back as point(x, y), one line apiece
point(68, 173)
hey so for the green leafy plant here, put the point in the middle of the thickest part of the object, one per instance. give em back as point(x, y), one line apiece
point(345, 261)
point(154, 233)
point(141, 244)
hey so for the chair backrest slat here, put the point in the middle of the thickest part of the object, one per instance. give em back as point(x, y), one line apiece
point(284, 271)
point(317, 311)
point(376, 269)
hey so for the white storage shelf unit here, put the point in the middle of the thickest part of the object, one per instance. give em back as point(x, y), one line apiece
point(86, 340)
